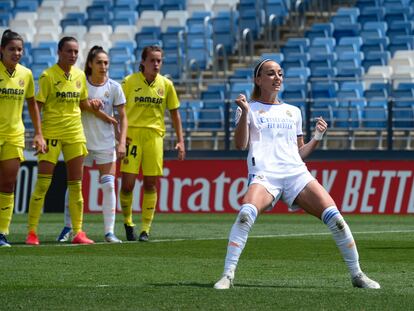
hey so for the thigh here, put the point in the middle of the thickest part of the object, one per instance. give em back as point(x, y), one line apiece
point(75, 168)
point(314, 199)
point(8, 173)
point(259, 196)
point(152, 154)
point(107, 168)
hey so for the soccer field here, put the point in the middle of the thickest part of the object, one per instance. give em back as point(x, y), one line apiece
point(290, 263)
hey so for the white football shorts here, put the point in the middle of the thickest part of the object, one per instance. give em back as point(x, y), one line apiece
point(286, 188)
point(100, 157)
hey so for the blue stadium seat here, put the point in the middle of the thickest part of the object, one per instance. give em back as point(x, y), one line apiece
point(375, 58)
point(277, 57)
point(189, 115)
point(6, 6)
point(225, 30)
point(5, 17)
point(356, 86)
point(371, 14)
point(126, 4)
point(237, 88)
point(293, 60)
point(149, 5)
point(241, 75)
point(346, 25)
point(119, 71)
point(401, 43)
point(252, 20)
point(375, 115)
point(277, 8)
point(168, 5)
point(44, 54)
point(148, 33)
point(348, 114)
point(25, 6)
point(296, 45)
point(211, 118)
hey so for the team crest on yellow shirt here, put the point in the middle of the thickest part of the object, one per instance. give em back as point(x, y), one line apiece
point(126, 161)
point(21, 83)
point(288, 113)
point(78, 84)
point(106, 94)
point(160, 92)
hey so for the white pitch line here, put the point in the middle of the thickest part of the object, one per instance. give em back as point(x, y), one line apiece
point(225, 238)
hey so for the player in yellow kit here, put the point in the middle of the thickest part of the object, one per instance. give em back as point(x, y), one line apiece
point(62, 94)
point(16, 85)
point(148, 94)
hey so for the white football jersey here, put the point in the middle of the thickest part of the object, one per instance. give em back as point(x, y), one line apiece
point(274, 129)
point(99, 134)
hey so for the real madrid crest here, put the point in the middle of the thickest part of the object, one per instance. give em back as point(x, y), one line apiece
point(106, 94)
point(288, 113)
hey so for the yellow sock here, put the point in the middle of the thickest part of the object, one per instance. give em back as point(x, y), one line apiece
point(126, 205)
point(148, 209)
point(37, 199)
point(75, 204)
point(6, 211)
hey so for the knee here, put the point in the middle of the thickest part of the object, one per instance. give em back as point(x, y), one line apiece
point(247, 214)
point(108, 182)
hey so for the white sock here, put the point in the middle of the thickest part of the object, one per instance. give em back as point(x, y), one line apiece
point(108, 202)
point(238, 236)
point(68, 220)
point(343, 238)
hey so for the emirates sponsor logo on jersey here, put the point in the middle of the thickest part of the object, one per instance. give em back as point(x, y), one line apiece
point(21, 83)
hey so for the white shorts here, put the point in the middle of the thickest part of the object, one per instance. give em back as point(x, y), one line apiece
point(100, 157)
point(286, 188)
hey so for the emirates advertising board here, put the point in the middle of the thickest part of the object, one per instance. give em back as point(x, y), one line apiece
point(217, 186)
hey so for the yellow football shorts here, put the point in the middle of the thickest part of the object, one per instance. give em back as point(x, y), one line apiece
point(9, 151)
point(69, 149)
point(145, 150)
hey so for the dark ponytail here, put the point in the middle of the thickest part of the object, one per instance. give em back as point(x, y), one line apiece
point(9, 35)
point(93, 52)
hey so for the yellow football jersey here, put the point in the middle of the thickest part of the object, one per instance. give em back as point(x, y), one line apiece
point(14, 89)
point(146, 103)
point(61, 95)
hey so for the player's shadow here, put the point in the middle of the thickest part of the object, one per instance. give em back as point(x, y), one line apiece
point(210, 285)
point(391, 247)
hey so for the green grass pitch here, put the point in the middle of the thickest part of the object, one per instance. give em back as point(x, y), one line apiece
point(290, 263)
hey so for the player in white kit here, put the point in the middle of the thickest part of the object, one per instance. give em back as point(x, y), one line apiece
point(99, 130)
point(272, 130)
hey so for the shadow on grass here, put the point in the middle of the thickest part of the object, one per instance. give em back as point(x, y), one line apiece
point(210, 285)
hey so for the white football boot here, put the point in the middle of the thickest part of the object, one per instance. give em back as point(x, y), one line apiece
point(362, 281)
point(226, 280)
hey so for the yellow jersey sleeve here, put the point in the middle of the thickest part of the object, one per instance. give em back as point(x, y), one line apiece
point(15, 87)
